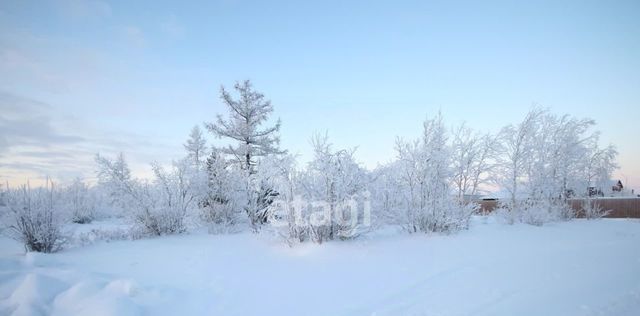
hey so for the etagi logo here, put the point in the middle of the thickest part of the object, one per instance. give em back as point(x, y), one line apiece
point(349, 215)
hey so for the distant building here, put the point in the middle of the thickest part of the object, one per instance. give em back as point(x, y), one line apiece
point(617, 187)
point(613, 187)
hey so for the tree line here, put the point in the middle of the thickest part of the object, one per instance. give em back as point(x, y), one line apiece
point(540, 163)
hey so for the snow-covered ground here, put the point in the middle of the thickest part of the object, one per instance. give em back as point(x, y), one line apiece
point(573, 268)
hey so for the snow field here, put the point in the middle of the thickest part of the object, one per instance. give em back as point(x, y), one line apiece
point(571, 268)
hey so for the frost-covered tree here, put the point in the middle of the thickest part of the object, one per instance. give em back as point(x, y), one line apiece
point(115, 177)
point(250, 141)
point(279, 174)
point(196, 171)
point(387, 193)
point(176, 194)
point(425, 174)
point(594, 175)
point(156, 208)
point(320, 202)
point(196, 147)
point(546, 160)
point(470, 158)
point(553, 173)
point(334, 177)
point(244, 126)
point(79, 202)
point(3, 194)
point(515, 151)
point(224, 195)
point(598, 167)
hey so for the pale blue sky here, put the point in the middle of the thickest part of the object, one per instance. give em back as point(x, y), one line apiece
point(82, 76)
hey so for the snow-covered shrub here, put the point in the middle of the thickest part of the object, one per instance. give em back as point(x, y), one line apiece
point(279, 174)
point(590, 209)
point(424, 173)
point(79, 202)
point(3, 195)
point(547, 159)
point(301, 220)
point(157, 208)
point(314, 204)
point(174, 197)
point(471, 154)
point(222, 200)
point(386, 193)
point(329, 185)
point(196, 149)
point(535, 213)
point(36, 220)
point(107, 235)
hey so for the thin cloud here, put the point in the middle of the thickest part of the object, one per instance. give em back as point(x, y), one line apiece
point(134, 36)
point(173, 28)
point(28, 122)
point(86, 9)
point(32, 147)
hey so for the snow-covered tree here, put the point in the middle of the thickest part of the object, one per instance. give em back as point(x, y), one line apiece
point(334, 177)
point(598, 167)
point(115, 177)
point(196, 147)
point(387, 193)
point(79, 202)
point(279, 174)
point(224, 195)
point(553, 173)
point(250, 141)
point(176, 194)
point(470, 157)
point(321, 202)
point(595, 174)
point(244, 126)
point(4, 188)
point(425, 174)
point(547, 159)
point(515, 151)
point(156, 208)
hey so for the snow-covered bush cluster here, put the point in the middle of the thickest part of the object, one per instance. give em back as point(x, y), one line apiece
point(79, 202)
point(35, 217)
point(547, 159)
point(248, 181)
point(424, 173)
point(157, 208)
point(324, 201)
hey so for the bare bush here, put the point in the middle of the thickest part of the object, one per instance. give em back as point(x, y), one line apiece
point(159, 208)
point(222, 198)
point(107, 235)
point(36, 221)
point(79, 203)
point(591, 209)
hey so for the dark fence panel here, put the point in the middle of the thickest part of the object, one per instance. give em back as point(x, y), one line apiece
point(620, 207)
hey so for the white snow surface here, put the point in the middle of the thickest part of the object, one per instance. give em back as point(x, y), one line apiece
point(579, 267)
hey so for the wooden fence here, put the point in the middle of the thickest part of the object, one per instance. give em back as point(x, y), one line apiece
point(620, 207)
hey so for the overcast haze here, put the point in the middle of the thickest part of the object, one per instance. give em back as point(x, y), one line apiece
point(78, 77)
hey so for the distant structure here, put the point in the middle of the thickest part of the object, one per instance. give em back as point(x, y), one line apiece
point(615, 185)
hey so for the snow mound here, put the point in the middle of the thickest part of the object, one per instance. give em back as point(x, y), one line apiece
point(33, 294)
point(91, 298)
